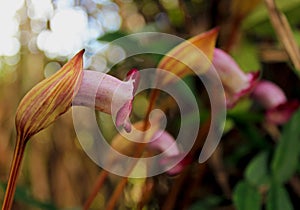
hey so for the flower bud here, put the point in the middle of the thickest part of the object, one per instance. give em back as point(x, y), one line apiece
point(236, 83)
point(49, 99)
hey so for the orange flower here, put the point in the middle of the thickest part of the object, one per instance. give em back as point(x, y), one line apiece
point(191, 53)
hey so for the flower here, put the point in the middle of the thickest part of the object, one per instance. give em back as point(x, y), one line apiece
point(157, 140)
point(274, 100)
point(49, 99)
point(108, 94)
point(236, 83)
point(193, 53)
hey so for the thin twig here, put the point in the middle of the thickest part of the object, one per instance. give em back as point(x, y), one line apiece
point(284, 32)
point(117, 193)
point(178, 183)
point(175, 190)
point(221, 175)
point(194, 185)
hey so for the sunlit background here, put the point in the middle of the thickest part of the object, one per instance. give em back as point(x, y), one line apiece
point(59, 29)
point(37, 37)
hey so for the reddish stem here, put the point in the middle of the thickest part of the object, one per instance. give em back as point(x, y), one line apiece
point(117, 193)
point(179, 182)
point(99, 183)
point(121, 185)
point(14, 173)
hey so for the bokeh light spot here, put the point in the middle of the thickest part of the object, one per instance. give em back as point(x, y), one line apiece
point(51, 68)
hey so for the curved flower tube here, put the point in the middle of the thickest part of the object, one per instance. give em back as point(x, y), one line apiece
point(274, 100)
point(236, 83)
point(108, 94)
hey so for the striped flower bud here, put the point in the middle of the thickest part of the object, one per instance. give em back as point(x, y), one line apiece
point(49, 99)
point(194, 53)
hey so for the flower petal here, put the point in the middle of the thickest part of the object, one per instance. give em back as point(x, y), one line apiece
point(236, 82)
point(108, 94)
point(268, 94)
point(282, 113)
point(178, 58)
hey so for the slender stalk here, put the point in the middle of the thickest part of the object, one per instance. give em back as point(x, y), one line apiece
point(284, 32)
point(14, 172)
point(179, 182)
point(170, 201)
point(194, 185)
point(99, 183)
point(117, 193)
point(121, 185)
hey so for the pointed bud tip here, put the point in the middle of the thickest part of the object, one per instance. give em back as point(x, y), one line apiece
point(79, 55)
point(214, 30)
point(81, 52)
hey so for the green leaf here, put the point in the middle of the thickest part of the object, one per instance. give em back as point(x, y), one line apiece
point(252, 134)
point(246, 55)
point(285, 160)
point(260, 15)
point(257, 171)
point(278, 198)
point(207, 203)
point(246, 197)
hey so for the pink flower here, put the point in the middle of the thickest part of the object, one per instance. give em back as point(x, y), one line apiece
point(157, 141)
point(108, 94)
point(236, 83)
point(164, 142)
point(273, 99)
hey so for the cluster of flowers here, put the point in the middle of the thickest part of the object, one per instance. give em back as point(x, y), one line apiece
point(236, 83)
point(72, 86)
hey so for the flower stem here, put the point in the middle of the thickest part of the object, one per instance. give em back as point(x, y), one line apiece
point(121, 185)
point(179, 182)
point(116, 194)
point(99, 183)
point(14, 172)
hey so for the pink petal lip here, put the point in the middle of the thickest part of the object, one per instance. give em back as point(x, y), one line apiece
point(108, 94)
point(272, 98)
point(268, 94)
point(282, 113)
point(165, 143)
